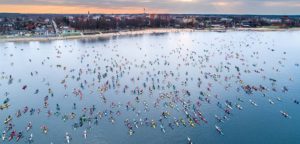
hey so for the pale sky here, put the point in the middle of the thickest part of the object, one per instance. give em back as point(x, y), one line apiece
point(153, 6)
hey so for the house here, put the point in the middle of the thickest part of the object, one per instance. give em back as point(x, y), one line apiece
point(245, 23)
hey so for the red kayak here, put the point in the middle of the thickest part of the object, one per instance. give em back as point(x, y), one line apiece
point(13, 133)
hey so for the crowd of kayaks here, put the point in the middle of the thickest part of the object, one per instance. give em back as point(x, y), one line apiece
point(173, 102)
point(193, 117)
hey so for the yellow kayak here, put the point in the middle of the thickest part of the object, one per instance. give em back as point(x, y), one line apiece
point(4, 106)
point(7, 120)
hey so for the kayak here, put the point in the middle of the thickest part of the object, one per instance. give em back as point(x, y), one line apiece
point(239, 107)
point(271, 102)
point(30, 138)
point(219, 119)
point(4, 106)
point(6, 101)
point(176, 122)
point(68, 138)
point(252, 102)
point(153, 124)
point(130, 132)
point(183, 122)
point(203, 119)
point(162, 129)
point(11, 135)
point(44, 129)
point(191, 123)
point(20, 135)
point(7, 120)
point(84, 134)
point(286, 115)
point(3, 135)
point(189, 140)
point(219, 129)
point(24, 87)
point(29, 126)
point(10, 138)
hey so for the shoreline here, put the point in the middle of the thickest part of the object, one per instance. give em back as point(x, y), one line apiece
point(139, 32)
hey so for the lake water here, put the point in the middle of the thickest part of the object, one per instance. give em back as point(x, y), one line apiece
point(140, 77)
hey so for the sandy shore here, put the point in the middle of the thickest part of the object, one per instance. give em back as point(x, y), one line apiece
point(137, 32)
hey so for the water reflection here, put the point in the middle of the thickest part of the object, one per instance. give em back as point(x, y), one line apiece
point(210, 87)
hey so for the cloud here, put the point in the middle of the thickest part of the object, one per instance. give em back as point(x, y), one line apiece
point(169, 6)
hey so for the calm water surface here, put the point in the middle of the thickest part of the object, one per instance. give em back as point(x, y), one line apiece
point(140, 77)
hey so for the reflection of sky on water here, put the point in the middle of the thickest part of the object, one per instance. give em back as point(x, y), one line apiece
point(165, 52)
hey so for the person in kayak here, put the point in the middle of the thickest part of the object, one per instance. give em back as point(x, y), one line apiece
point(3, 135)
point(19, 136)
point(30, 138)
point(12, 135)
point(29, 126)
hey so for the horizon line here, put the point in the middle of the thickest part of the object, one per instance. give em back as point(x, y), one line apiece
point(249, 14)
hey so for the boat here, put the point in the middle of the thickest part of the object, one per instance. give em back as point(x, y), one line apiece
point(278, 98)
point(10, 137)
point(44, 129)
point(162, 128)
point(30, 138)
point(239, 99)
point(176, 122)
point(219, 130)
point(4, 106)
point(68, 137)
point(29, 126)
point(112, 120)
point(191, 122)
point(9, 127)
point(153, 124)
point(84, 134)
point(203, 119)
point(183, 122)
point(135, 123)
point(225, 117)
point(253, 103)
point(12, 134)
point(7, 120)
point(219, 119)
point(285, 114)
point(271, 102)
point(228, 106)
point(24, 87)
point(130, 132)
point(196, 121)
point(19, 136)
point(239, 107)
point(141, 121)
point(3, 135)
point(189, 140)
point(6, 101)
